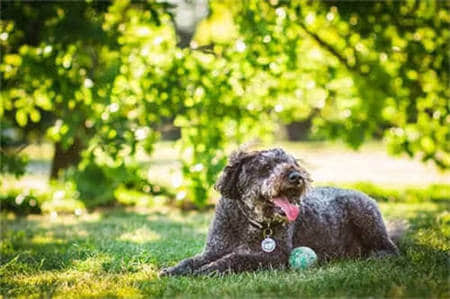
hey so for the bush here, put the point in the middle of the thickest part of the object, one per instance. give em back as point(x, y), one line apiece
point(21, 203)
point(103, 185)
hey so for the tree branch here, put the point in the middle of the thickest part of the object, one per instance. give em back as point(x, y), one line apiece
point(330, 49)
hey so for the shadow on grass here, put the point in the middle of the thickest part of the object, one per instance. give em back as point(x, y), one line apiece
point(117, 243)
point(123, 238)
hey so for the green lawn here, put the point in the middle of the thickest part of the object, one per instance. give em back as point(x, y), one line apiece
point(118, 253)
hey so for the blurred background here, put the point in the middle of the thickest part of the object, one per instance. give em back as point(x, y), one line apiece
point(140, 102)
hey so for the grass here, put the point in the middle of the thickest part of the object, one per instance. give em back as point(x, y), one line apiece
point(118, 253)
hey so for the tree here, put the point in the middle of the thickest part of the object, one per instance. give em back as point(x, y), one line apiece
point(44, 69)
point(391, 56)
point(101, 79)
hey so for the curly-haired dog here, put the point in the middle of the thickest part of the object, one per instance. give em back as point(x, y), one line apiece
point(267, 194)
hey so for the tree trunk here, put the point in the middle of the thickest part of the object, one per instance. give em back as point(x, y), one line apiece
point(299, 130)
point(63, 158)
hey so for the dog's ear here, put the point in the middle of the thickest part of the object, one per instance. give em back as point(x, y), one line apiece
point(227, 182)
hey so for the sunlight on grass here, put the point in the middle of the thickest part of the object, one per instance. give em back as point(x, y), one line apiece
point(81, 283)
point(92, 264)
point(408, 210)
point(65, 219)
point(140, 236)
point(431, 221)
point(47, 240)
point(432, 239)
point(43, 151)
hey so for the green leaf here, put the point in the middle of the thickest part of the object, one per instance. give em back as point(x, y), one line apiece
point(21, 117)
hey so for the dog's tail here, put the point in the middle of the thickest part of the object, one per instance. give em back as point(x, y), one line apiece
point(396, 229)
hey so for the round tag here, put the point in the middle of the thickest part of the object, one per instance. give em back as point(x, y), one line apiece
point(268, 244)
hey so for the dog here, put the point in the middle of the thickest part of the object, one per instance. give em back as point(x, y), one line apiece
point(268, 207)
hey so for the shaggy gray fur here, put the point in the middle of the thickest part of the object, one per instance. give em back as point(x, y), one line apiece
point(334, 222)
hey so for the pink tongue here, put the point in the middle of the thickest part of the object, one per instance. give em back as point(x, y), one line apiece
point(289, 209)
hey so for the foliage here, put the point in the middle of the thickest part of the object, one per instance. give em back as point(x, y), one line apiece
point(368, 69)
point(357, 70)
point(100, 185)
point(400, 54)
point(92, 186)
point(118, 253)
point(12, 163)
point(21, 203)
point(60, 198)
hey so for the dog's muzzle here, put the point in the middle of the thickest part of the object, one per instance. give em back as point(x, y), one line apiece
point(294, 177)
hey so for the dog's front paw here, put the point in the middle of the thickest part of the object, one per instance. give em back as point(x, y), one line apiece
point(183, 268)
point(172, 271)
point(165, 272)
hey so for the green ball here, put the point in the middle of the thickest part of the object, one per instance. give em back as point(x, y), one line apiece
point(302, 258)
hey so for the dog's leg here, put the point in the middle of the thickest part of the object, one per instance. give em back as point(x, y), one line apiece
point(369, 225)
point(220, 241)
point(239, 262)
point(189, 265)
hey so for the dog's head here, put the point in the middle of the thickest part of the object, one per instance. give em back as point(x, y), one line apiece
point(269, 184)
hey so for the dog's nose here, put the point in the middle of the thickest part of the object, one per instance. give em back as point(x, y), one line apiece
point(294, 176)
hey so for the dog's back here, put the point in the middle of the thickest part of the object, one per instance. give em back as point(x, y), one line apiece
point(341, 223)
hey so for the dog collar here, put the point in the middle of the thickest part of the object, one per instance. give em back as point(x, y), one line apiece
point(267, 244)
point(255, 223)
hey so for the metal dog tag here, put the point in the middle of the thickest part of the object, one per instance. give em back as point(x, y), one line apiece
point(268, 244)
